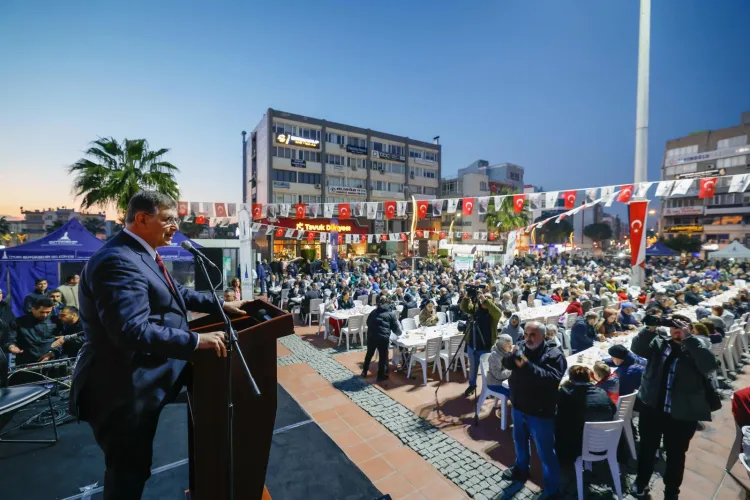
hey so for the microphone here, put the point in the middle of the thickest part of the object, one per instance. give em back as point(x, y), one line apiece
point(186, 245)
point(261, 315)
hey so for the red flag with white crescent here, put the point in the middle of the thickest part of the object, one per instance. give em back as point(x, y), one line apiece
point(422, 209)
point(419, 234)
point(465, 236)
point(442, 235)
point(707, 187)
point(363, 238)
point(493, 236)
point(637, 211)
point(279, 232)
point(467, 205)
point(518, 202)
point(626, 192)
point(389, 207)
point(570, 199)
point(384, 237)
point(310, 237)
point(344, 211)
point(257, 210)
point(300, 210)
point(403, 236)
point(183, 208)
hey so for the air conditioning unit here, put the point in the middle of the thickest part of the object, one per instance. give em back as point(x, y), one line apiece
point(341, 146)
point(411, 175)
point(354, 168)
point(317, 186)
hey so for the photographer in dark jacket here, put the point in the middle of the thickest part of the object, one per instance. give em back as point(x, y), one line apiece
point(380, 323)
point(674, 393)
point(536, 370)
point(481, 331)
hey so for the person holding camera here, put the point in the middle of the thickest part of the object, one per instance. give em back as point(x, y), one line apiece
point(675, 394)
point(481, 331)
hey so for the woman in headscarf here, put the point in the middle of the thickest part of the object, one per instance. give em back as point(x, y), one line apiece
point(513, 328)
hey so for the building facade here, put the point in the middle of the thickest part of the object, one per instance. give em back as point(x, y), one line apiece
point(725, 217)
point(293, 159)
point(37, 223)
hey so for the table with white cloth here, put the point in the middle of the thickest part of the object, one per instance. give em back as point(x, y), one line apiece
point(410, 341)
point(598, 351)
point(343, 315)
point(556, 309)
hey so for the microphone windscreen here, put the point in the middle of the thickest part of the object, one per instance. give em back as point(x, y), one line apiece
point(186, 245)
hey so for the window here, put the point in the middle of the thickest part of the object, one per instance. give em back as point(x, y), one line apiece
point(335, 159)
point(340, 199)
point(423, 190)
point(309, 155)
point(309, 133)
point(388, 148)
point(281, 152)
point(483, 186)
point(356, 141)
point(309, 199)
point(393, 168)
point(726, 199)
point(734, 161)
point(394, 187)
point(515, 176)
point(335, 138)
point(429, 155)
point(732, 142)
point(284, 128)
point(356, 162)
point(416, 153)
point(284, 176)
point(451, 187)
point(687, 168)
point(284, 198)
point(682, 151)
point(305, 178)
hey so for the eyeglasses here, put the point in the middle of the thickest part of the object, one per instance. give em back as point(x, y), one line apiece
point(172, 221)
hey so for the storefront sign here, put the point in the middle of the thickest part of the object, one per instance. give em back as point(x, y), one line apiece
point(346, 190)
point(708, 155)
point(683, 229)
point(463, 262)
point(321, 225)
point(422, 161)
point(356, 150)
point(388, 156)
point(299, 163)
point(684, 211)
point(700, 175)
point(328, 228)
point(293, 140)
point(282, 185)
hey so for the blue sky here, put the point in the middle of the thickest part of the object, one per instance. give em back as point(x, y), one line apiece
point(547, 84)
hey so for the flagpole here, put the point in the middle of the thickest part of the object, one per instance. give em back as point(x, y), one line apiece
point(641, 115)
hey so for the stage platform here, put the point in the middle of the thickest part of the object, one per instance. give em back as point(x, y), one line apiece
point(305, 463)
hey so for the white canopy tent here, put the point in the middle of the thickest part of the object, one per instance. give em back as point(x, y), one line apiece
point(734, 251)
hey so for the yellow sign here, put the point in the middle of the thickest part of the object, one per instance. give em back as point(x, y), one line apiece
point(294, 140)
point(328, 228)
point(683, 229)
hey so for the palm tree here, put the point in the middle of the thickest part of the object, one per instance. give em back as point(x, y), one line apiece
point(111, 173)
point(506, 218)
point(55, 226)
point(4, 226)
point(94, 226)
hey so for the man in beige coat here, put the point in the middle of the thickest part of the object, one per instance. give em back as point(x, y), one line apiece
point(70, 290)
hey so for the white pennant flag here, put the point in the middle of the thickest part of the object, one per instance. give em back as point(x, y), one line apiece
point(271, 210)
point(289, 233)
point(372, 210)
point(426, 235)
point(483, 202)
point(378, 237)
point(641, 190)
point(314, 209)
point(269, 230)
point(483, 236)
point(590, 195)
point(393, 236)
point(437, 207)
point(452, 204)
point(550, 199)
point(477, 236)
point(299, 234)
point(370, 237)
point(323, 237)
point(682, 186)
point(739, 183)
point(284, 209)
point(664, 188)
point(359, 209)
point(401, 208)
point(498, 201)
point(608, 195)
point(264, 210)
point(535, 201)
point(254, 228)
point(347, 238)
point(328, 210)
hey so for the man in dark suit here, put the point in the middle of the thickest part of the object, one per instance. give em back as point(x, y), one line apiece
point(134, 317)
point(311, 294)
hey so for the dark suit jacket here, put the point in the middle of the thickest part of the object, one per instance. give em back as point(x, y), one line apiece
point(136, 330)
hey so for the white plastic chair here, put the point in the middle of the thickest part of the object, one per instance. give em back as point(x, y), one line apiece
point(431, 354)
point(484, 367)
point(442, 318)
point(718, 351)
point(408, 324)
point(358, 302)
point(412, 312)
point(522, 306)
point(314, 310)
point(570, 320)
point(284, 297)
point(447, 355)
point(321, 319)
point(625, 405)
point(352, 328)
point(537, 303)
point(600, 441)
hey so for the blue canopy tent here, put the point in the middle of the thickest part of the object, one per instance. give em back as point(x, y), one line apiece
point(659, 249)
point(21, 265)
point(174, 252)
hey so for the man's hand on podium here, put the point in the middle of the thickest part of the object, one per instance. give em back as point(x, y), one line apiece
point(215, 341)
point(235, 307)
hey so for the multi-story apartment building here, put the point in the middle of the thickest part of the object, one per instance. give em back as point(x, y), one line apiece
point(37, 222)
point(725, 217)
point(293, 159)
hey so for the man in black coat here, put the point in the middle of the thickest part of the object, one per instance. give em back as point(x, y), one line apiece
point(380, 323)
point(311, 294)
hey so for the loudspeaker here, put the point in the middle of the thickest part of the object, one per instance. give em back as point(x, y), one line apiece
point(215, 255)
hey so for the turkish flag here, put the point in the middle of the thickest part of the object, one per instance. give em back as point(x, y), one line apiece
point(626, 192)
point(707, 187)
point(389, 207)
point(384, 237)
point(467, 205)
point(362, 238)
point(422, 209)
point(518, 202)
point(344, 211)
point(570, 199)
point(465, 236)
point(200, 219)
point(419, 234)
point(637, 211)
point(182, 208)
point(403, 236)
point(301, 208)
point(310, 237)
point(257, 210)
point(279, 232)
point(341, 239)
point(442, 235)
point(221, 209)
point(492, 236)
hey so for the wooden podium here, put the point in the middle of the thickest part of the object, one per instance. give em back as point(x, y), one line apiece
point(254, 417)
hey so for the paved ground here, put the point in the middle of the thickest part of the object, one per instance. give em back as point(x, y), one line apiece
point(414, 444)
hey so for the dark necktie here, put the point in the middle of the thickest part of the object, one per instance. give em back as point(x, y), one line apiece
point(160, 263)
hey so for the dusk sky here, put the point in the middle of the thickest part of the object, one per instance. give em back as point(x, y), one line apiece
point(547, 84)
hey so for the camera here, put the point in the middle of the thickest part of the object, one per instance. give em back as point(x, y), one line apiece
point(472, 291)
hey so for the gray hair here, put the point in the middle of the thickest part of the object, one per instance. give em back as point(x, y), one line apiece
point(540, 327)
point(148, 201)
point(551, 328)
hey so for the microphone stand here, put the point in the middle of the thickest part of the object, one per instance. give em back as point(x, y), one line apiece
point(232, 344)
